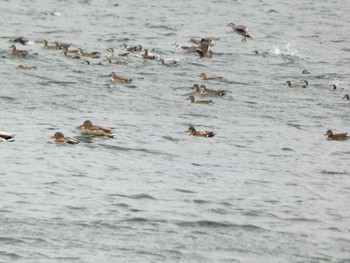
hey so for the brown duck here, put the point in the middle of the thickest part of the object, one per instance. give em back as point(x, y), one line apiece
point(336, 137)
point(87, 128)
point(59, 138)
point(192, 131)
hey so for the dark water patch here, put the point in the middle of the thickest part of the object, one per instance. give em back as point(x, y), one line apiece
point(127, 149)
point(199, 201)
point(327, 172)
point(286, 149)
point(184, 191)
point(11, 256)
point(8, 98)
point(216, 224)
point(136, 196)
point(172, 139)
point(9, 240)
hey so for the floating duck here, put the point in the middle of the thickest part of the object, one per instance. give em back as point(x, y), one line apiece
point(6, 137)
point(192, 100)
point(87, 128)
point(192, 131)
point(336, 137)
point(59, 138)
point(204, 77)
point(116, 78)
point(26, 67)
point(18, 53)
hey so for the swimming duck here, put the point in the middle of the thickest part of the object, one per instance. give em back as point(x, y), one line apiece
point(87, 62)
point(6, 137)
point(61, 45)
point(204, 77)
point(26, 67)
point(47, 46)
point(346, 97)
point(305, 84)
point(18, 53)
point(116, 78)
point(111, 51)
point(192, 131)
point(333, 86)
point(94, 54)
point(64, 52)
point(191, 99)
point(305, 71)
point(87, 128)
point(116, 62)
point(146, 55)
point(172, 63)
point(203, 90)
point(336, 137)
point(132, 49)
point(59, 138)
point(241, 30)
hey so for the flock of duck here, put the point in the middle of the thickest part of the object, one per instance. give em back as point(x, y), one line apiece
point(200, 47)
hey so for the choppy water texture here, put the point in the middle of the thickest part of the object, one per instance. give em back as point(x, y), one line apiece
point(268, 187)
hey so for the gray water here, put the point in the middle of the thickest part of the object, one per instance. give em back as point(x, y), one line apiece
point(269, 187)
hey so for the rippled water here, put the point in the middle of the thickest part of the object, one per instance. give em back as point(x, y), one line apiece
point(268, 187)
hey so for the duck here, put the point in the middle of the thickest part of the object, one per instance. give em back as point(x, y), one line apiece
point(203, 90)
point(18, 53)
point(146, 55)
point(193, 132)
point(116, 78)
point(305, 84)
point(47, 46)
point(59, 138)
point(203, 48)
point(336, 137)
point(26, 67)
point(61, 45)
point(132, 49)
point(22, 40)
point(191, 99)
point(116, 62)
point(333, 86)
point(305, 71)
point(111, 51)
point(204, 77)
point(87, 62)
point(288, 84)
point(241, 30)
point(6, 137)
point(87, 128)
point(172, 63)
point(94, 54)
point(65, 53)
point(346, 97)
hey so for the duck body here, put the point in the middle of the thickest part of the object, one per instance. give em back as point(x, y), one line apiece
point(18, 53)
point(203, 90)
point(192, 100)
point(346, 97)
point(169, 64)
point(193, 132)
point(204, 77)
point(6, 137)
point(47, 46)
point(121, 63)
point(87, 128)
point(59, 138)
point(120, 79)
point(94, 54)
point(336, 137)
